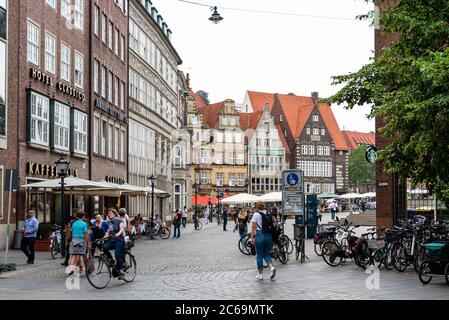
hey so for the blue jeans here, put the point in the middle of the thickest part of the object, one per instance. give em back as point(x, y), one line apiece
point(178, 228)
point(264, 243)
point(119, 247)
point(243, 234)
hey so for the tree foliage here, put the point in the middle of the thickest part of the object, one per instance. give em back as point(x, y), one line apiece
point(361, 172)
point(407, 85)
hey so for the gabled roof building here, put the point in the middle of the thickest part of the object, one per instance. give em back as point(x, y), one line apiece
point(315, 141)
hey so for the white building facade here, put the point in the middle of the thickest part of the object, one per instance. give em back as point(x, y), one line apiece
point(153, 106)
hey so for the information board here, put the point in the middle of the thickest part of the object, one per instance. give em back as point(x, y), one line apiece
point(293, 192)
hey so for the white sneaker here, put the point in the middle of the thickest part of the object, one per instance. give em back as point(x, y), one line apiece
point(273, 273)
point(259, 276)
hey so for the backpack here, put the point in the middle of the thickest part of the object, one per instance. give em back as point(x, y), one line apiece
point(267, 222)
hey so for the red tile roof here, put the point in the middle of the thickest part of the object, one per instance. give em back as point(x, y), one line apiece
point(297, 111)
point(250, 120)
point(211, 113)
point(258, 100)
point(354, 138)
point(199, 102)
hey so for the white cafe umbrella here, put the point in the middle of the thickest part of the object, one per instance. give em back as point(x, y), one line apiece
point(241, 198)
point(351, 196)
point(368, 195)
point(271, 197)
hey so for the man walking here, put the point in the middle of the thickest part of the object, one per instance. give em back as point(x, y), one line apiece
point(225, 217)
point(29, 236)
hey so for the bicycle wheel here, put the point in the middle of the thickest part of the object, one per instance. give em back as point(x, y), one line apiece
point(317, 249)
point(329, 255)
point(388, 257)
point(362, 254)
point(164, 233)
point(446, 273)
point(297, 248)
point(243, 247)
point(288, 242)
point(100, 276)
point(55, 249)
point(419, 258)
point(130, 267)
point(282, 254)
point(399, 257)
point(424, 273)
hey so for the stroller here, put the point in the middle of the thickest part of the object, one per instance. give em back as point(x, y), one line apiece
point(436, 262)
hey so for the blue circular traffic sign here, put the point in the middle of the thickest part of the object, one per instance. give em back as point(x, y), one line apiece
point(292, 179)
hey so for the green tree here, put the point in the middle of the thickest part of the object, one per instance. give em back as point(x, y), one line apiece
point(407, 85)
point(361, 173)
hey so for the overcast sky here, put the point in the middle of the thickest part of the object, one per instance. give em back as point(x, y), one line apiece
point(272, 53)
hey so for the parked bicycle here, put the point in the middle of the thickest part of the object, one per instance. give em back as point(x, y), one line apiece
point(103, 269)
point(300, 245)
point(158, 231)
point(336, 251)
point(55, 248)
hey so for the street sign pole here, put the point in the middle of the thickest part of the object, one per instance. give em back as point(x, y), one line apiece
point(8, 226)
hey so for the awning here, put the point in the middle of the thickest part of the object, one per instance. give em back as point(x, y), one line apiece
point(241, 198)
point(204, 200)
point(85, 187)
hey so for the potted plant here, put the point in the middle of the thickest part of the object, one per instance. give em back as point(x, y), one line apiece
point(43, 241)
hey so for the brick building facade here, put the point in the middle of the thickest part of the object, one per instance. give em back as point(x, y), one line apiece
point(390, 194)
point(109, 95)
point(48, 97)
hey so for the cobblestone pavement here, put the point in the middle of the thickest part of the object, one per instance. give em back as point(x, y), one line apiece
point(207, 265)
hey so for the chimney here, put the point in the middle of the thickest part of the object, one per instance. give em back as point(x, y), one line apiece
point(315, 97)
point(266, 107)
point(169, 34)
point(159, 20)
point(154, 13)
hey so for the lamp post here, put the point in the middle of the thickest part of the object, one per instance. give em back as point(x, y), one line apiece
point(151, 181)
point(63, 168)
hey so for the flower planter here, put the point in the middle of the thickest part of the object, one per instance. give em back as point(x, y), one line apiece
point(42, 245)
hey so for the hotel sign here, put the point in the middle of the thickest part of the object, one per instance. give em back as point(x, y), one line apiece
point(69, 91)
point(60, 87)
point(40, 76)
point(44, 170)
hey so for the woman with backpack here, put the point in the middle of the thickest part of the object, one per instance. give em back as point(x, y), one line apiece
point(262, 226)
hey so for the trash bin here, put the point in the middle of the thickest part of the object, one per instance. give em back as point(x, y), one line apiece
point(297, 229)
point(17, 239)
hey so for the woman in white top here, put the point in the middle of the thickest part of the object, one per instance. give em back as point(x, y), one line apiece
point(263, 241)
point(184, 216)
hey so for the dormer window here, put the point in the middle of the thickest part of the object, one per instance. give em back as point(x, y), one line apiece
point(308, 130)
point(316, 118)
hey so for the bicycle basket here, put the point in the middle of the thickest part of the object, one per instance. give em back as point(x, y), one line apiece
point(375, 243)
point(437, 251)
